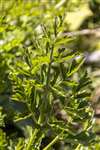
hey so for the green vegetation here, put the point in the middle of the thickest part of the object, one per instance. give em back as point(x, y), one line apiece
point(45, 87)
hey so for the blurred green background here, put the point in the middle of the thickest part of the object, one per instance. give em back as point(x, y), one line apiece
point(20, 18)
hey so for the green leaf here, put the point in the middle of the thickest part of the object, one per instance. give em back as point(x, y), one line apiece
point(83, 81)
point(83, 94)
point(56, 92)
point(64, 58)
point(62, 40)
point(75, 66)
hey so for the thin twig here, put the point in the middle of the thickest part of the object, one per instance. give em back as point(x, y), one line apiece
point(83, 32)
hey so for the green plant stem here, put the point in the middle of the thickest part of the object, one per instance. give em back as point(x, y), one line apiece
point(78, 147)
point(41, 115)
point(53, 141)
point(49, 68)
point(31, 140)
point(33, 136)
point(23, 118)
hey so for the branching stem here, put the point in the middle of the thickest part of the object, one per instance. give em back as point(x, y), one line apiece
point(53, 141)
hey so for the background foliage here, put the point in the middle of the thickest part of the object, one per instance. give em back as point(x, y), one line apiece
point(45, 88)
